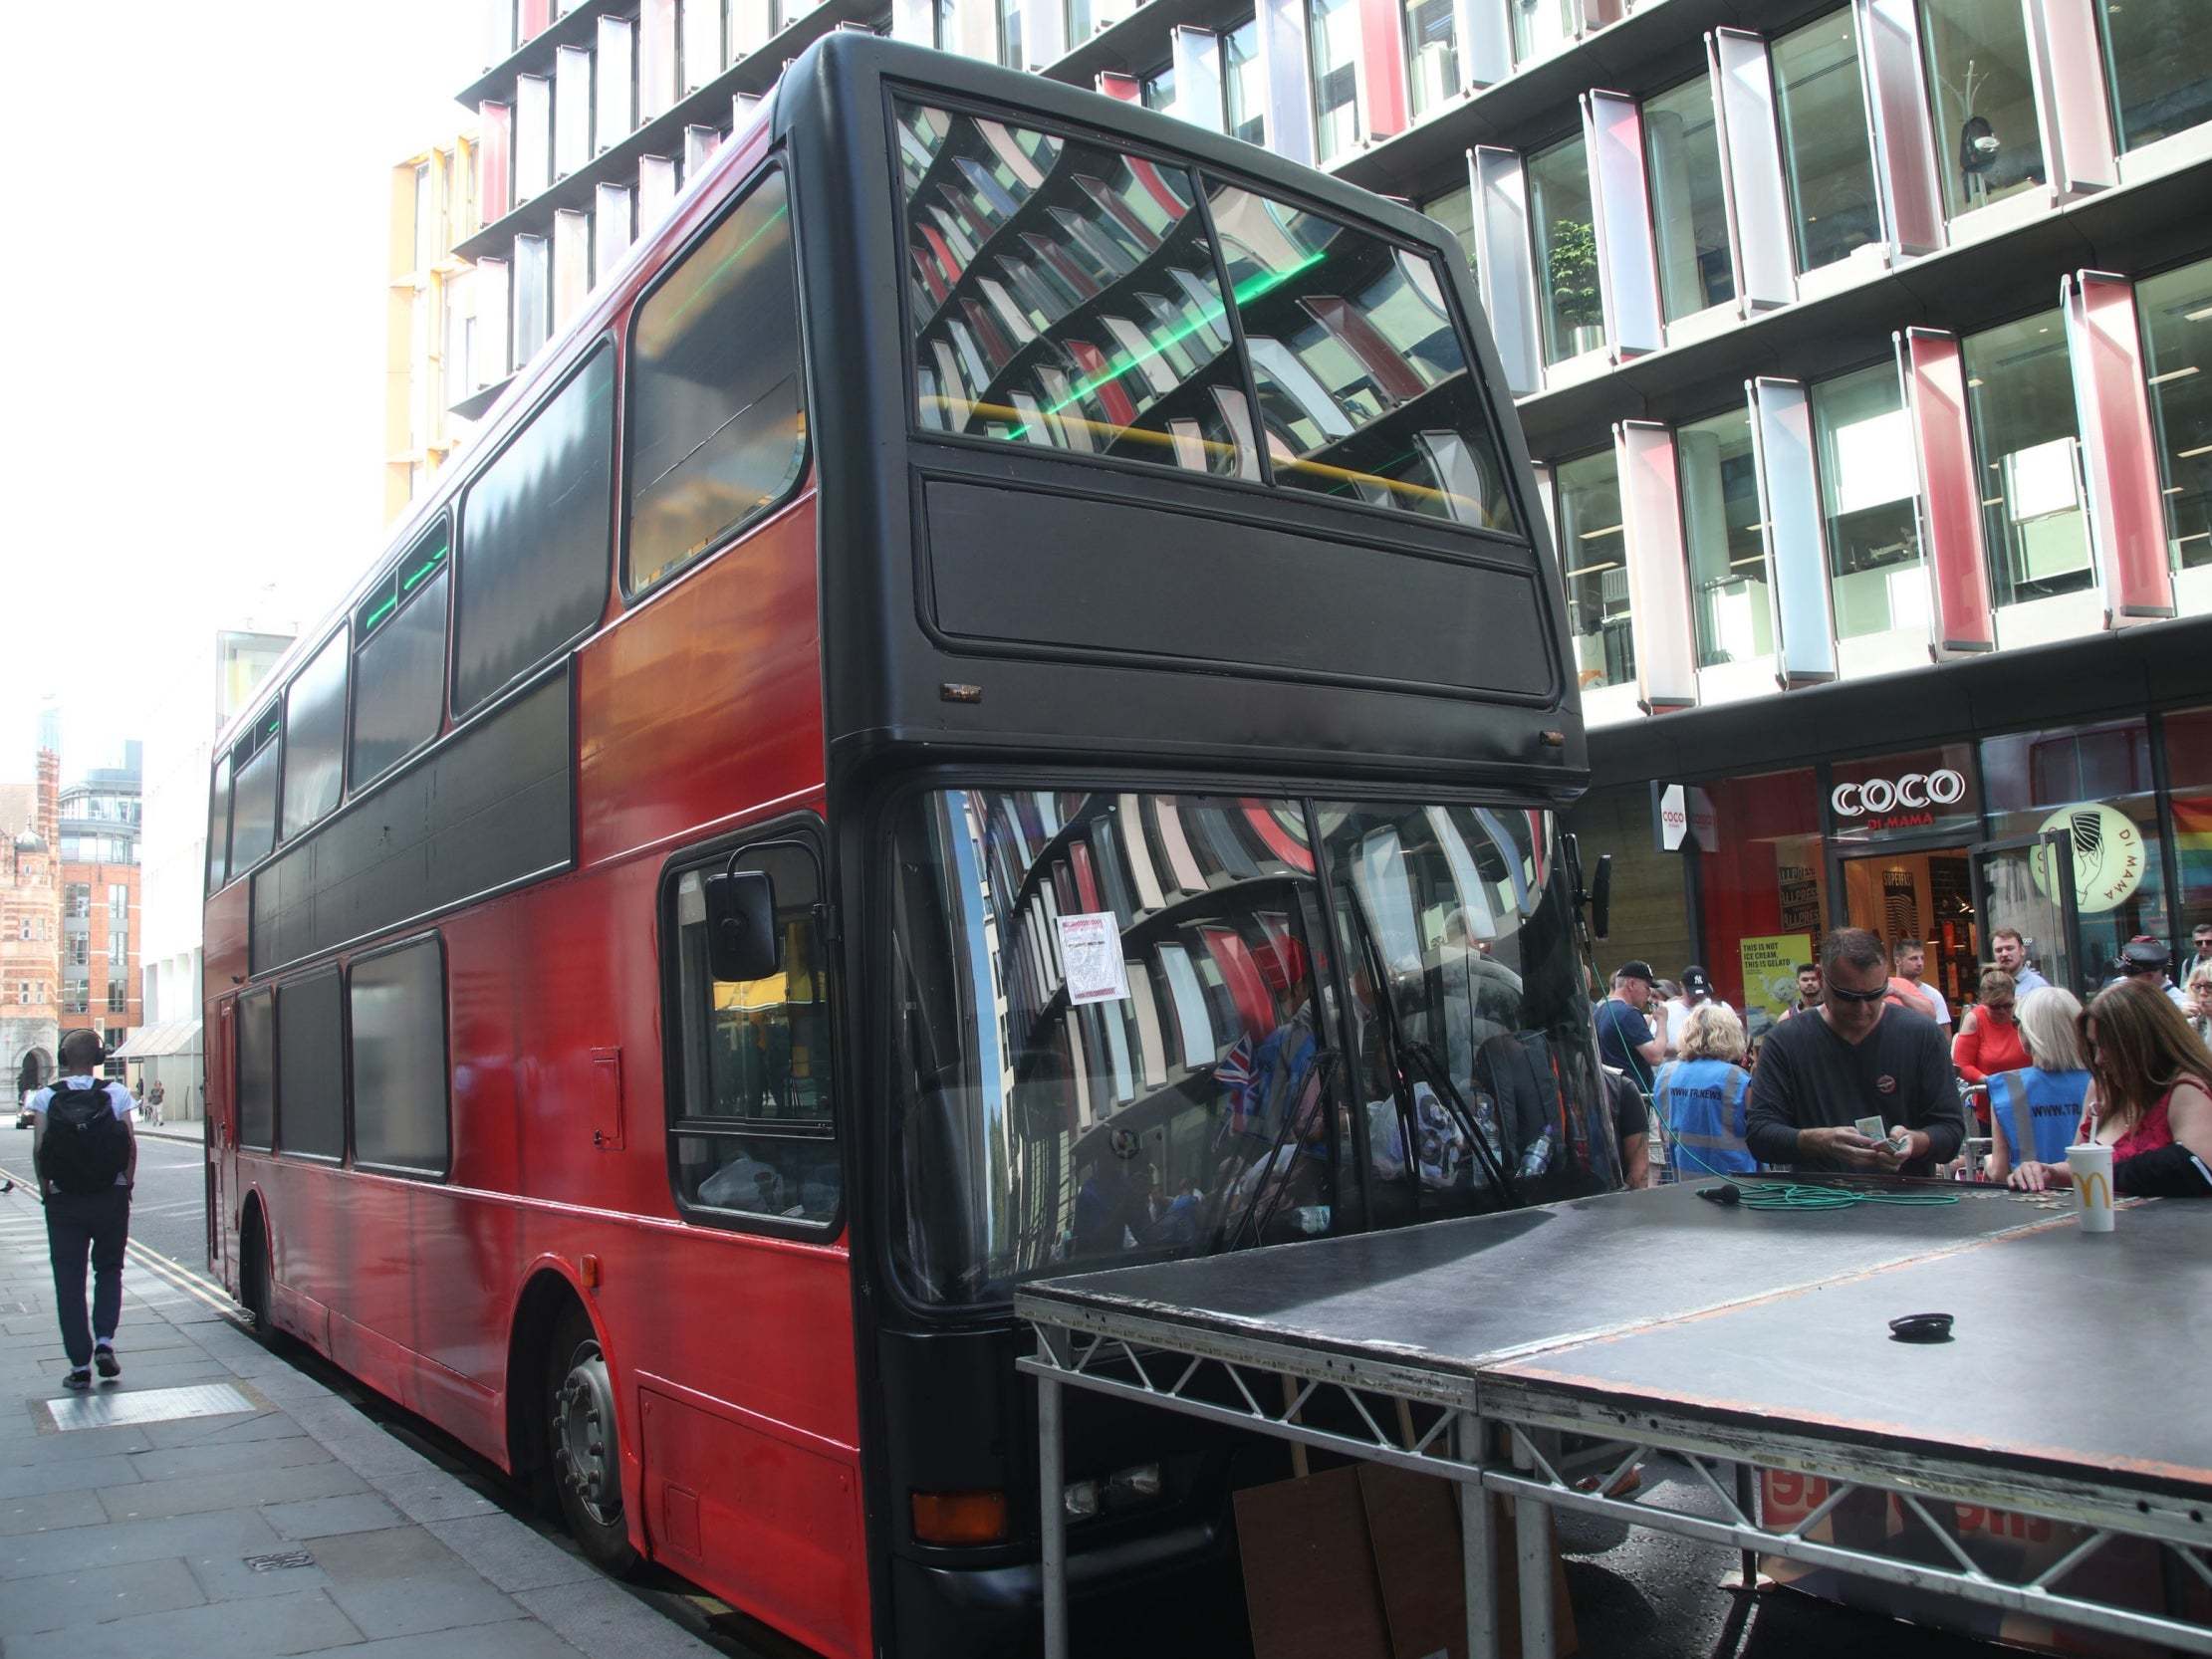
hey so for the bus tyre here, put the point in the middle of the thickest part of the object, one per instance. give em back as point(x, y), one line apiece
point(253, 1278)
point(584, 1458)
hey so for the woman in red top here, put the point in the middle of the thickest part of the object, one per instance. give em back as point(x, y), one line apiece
point(2151, 1091)
point(1989, 1037)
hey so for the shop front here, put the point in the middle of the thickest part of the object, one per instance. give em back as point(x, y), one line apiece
point(2080, 833)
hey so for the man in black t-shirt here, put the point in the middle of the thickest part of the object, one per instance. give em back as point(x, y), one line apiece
point(1857, 1056)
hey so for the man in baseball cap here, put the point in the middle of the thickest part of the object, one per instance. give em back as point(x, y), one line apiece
point(1697, 988)
point(2145, 958)
point(1625, 1039)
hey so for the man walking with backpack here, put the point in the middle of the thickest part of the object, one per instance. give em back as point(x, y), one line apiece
point(86, 1156)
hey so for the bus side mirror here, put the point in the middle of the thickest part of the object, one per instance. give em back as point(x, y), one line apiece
point(1600, 897)
point(741, 925)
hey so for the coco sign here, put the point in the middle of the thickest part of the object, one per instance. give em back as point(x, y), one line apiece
point(1915, 792)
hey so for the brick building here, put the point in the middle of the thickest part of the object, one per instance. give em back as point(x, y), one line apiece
point(30, 927)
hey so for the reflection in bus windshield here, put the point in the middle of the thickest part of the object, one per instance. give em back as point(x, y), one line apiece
point(1196, 1096)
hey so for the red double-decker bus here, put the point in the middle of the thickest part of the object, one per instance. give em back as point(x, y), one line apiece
point(995, 706)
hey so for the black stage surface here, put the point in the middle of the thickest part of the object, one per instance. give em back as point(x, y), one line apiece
point(2073, 1354)
point(1455, 1297)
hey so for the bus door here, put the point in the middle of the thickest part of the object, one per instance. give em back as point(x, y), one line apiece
point(221, 1142)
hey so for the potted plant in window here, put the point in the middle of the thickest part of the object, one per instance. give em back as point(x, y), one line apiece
point(1576, 306)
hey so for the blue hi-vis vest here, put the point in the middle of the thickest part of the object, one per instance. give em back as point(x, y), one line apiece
point(2036, 1111)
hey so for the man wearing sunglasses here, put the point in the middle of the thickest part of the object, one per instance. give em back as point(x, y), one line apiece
point(1861, 1056)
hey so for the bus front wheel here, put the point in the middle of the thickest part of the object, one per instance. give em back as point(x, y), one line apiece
point(584, 1456)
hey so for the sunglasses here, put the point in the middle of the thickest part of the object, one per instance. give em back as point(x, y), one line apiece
point(1874, 996)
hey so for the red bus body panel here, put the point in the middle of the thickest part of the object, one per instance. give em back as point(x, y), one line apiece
point(695, 712)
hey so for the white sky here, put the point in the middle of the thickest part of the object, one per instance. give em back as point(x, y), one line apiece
point(195, 271)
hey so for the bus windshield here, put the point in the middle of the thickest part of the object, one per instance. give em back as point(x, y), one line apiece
point(1120, 1029)
point(1068, 296)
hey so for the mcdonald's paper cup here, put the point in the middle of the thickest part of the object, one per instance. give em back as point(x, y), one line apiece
point(2091, 1168)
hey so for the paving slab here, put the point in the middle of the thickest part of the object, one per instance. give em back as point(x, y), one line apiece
point(37, 1478)
point(71, 1600)
point(317, 1517)
point(511, 1556)
point(193, 1495)
point(306, 1622)
point(172, 1463)
point(48, 1511)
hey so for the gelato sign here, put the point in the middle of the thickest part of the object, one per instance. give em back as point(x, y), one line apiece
point(2108, 856)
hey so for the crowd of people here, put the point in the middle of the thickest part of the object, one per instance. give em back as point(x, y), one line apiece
point(1871, 1070)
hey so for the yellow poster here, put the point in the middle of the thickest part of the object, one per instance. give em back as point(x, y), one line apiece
point(1771, 971)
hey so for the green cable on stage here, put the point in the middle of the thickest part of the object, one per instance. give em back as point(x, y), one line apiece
point(1800, 1195)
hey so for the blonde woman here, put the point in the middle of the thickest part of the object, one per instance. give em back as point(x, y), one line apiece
point(1703, 1097)
point(2032, 1110)
point(2199, 1010)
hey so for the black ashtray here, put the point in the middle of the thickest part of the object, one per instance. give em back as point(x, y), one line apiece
point(1921, 1327)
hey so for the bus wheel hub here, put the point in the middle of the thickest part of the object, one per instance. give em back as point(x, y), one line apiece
point(583, 1416)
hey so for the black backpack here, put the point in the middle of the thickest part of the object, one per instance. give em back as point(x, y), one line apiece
point(87, 1145)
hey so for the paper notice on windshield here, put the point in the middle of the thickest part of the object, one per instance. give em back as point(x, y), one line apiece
point(1090, 954)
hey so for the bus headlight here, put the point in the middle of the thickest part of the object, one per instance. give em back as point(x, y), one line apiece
point(1140, 1485)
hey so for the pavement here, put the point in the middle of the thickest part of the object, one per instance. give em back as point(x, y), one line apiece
point(284, 1522)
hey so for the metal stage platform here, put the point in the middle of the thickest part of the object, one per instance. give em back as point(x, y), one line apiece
point(1738, 1340)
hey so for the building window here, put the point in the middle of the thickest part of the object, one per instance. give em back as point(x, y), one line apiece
point(2176, 313)
point(1243, 93)
point(1540, 27)
point(1869, 480)
point(1987, 143)
point(1082, 21)
point(77, 899)
point(2037, 781)
point(2158, 66)
point(1455, 211)
point(1560, 219)
point(1594, 556)
point(1431, 54)
point(118, 1003)
point(426, 218)
point(1689, 218)
point(1826, 152)
point(1156, 91)
point(1720, 531)
point(80, 947)
point(1011, 55)
point(2020, 400)
point(2189, 776)
point(1334, 25)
